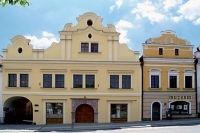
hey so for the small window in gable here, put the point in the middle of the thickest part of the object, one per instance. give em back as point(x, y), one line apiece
point(160, 51)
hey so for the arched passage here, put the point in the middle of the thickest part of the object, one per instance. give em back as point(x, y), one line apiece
point(84, 114)
point(156, 110)
point(18, 110)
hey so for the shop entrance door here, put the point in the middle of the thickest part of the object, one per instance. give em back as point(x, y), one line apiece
point(84, 114)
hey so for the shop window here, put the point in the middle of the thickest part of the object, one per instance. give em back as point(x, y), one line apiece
point(77, 81)
point(54, 113)
point(118, 112)
point(23, 80)
point(90, 81)
point(12, 80)
point(180, 107)
point(126, 81)
point(114, 81)
point(47, 80)
point(59, 80)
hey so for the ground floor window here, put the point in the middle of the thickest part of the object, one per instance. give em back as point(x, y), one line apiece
point(54, 113)
point(180, 107)
point(118, 112)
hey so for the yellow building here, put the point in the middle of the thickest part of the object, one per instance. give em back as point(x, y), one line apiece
point(87, 77)
point(168, 77)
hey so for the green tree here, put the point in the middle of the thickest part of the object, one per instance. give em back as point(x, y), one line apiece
point(14, 2)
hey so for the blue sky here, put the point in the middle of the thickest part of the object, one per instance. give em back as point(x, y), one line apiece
point(136, 20)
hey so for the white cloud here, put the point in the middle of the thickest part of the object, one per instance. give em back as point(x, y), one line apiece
point(111, 8)
point(46, 34)
point(168, 4)
point(42, 43)
point(119, 3)
point(197, 22)
point(190, 10)
point(177, 19)
point(148, 10)
point(122, 27)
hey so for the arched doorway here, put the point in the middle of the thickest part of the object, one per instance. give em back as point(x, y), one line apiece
point(18, 110)
point(84, 114)
point(156, 111)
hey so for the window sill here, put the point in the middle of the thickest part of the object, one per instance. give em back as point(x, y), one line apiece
point(53, 88)
point(173, 88)
point(83, 88)
point(89, 52)
point(18, 87)
point(188, 88)
point(120, 88)
point(155, 88)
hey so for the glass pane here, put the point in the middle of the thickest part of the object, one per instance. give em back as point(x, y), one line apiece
point(54, 110)
point(118, 112)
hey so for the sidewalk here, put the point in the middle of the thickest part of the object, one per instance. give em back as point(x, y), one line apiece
point(101, 126)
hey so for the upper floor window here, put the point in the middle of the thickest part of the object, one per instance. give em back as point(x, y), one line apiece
point(94, 47)
point(90, 81)
point(126, 81)
point(176, 51)
point(160, 51)
point(12, 80)
point(47, 80)
point(114, 81)
point(172, 81)
point(188, 81)
point(173, 78)
point(59, 81)
point(89, 47)
point(23, 80)
point(155, 78)
point(189, 78)
point(78, 81)
point(84, 47)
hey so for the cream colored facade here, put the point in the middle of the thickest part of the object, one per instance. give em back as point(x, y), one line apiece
point(87, 71)
point(168, 77)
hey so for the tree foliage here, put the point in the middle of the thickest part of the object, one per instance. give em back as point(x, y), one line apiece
point(14, 2)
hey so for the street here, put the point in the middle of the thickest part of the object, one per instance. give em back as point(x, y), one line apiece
point(165, 129)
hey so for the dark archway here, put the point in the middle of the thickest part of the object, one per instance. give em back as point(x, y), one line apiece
point(84, 114)
point(18, 110)
point(156, 111)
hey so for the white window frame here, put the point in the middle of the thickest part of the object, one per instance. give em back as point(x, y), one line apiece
point(173, 72)
point(162, 50)
point(155, 71)
point(189, 72)
point(120, 81)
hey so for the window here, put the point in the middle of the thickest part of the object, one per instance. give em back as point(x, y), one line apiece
point(189, 78)
point(154, 81)
point(47, 80)
point(126, 81)
point(154, 78)
point(90, 81)
point(94, 47)
point(23, 80)
point(173, 81)
point(180, 107)
point(12, 80)
point(78, 81)
point(160, 51)
point(176, 51)
point(118, 112)
point(59, 80)
point(54, 113)
point(84, 47)
point(114, 81)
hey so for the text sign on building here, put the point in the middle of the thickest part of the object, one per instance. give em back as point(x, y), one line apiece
point(179, 98)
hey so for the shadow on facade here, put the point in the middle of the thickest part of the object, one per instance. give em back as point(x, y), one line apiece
point(18, 110)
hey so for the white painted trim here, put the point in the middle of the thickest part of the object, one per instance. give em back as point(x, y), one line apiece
point(110, 49)
point(189, 74)
point(155, 71)
point(160, 109)
point(54, 101)
point(115, 50)
point(69, 49)
point(119, 102)
point(62, 49)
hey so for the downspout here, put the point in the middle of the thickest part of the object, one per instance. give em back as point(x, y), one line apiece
point(196, 62)
point(142, 66)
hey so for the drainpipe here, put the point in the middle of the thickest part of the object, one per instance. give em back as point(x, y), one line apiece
point(142, 66)
point(196, 62)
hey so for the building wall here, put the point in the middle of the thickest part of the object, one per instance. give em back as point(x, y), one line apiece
point(65, 57)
